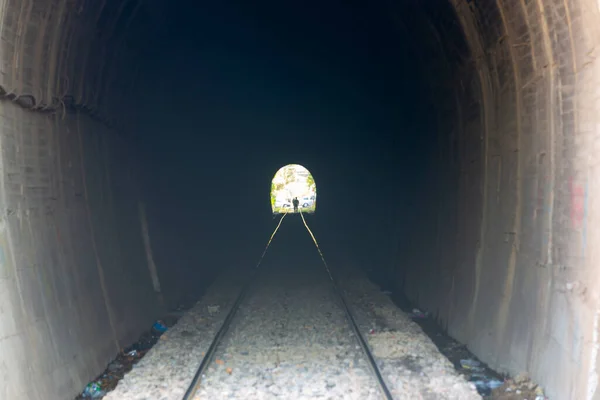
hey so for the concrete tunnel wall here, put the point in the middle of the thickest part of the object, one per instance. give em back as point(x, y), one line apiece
point(74, 280)
point(514, 188)
point(510, 213)
point(75, 286)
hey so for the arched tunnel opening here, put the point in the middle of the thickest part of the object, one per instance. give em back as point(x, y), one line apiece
point(293, 189)
point(454, 144)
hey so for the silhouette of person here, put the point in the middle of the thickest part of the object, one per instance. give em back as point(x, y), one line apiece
point(295, 203)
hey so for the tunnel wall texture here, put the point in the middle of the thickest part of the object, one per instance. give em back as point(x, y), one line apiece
point(75, 285)
point(517, 178)
point(74, 281)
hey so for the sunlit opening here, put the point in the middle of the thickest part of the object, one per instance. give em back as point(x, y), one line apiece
point(293, 189)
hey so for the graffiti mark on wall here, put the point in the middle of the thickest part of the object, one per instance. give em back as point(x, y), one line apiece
point(579, 205)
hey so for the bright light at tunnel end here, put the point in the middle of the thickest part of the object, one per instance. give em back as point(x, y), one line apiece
point(293, 189)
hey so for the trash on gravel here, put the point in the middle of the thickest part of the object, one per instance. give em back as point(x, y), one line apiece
point(264, 332)
point(93, 391)
point(125, 360)
point(486, 385)
point(159, 326)
point(521, 378)
point(416, 313)
point(518, 388)
point(471, 365)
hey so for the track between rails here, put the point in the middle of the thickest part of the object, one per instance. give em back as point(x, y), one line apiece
point(275, 298)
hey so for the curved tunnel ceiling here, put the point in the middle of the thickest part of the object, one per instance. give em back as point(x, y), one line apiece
point(76, 54)
point(512, 90)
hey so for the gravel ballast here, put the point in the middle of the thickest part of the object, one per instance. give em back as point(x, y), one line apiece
point(290, 339)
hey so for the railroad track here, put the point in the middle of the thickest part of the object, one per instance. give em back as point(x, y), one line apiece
point(291, 307)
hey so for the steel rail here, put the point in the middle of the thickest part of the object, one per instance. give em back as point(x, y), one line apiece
point(197, 379)
point(195, 383)
point(361, 340)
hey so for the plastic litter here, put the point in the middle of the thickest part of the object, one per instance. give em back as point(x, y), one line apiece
point(540, 394)
point(132, 353)
point(418, 313)
point(387, 292)
point(93, 391)
point(471, 365)
point(523, 387)
point(485, 386)
point(159, 326)
point(126, 359)
point(483, 383)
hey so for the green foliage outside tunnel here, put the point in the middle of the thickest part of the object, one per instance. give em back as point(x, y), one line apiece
point(290, 182)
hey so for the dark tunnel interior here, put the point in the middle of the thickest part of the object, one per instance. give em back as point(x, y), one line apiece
point(452, 144)
point(257, 87)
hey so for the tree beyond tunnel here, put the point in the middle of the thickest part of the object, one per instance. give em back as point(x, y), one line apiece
point(469, 127)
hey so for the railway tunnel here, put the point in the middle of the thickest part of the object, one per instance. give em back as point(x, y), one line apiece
point(454, 144)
